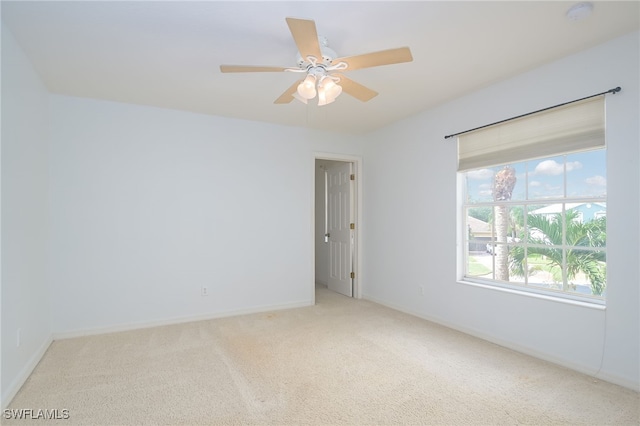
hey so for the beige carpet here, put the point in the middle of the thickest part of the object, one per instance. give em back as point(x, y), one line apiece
point(343, 361)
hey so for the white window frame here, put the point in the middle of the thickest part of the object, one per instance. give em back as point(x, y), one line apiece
point(491, 146)
point(525, 287)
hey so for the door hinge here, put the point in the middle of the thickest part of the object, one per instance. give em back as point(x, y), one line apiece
point(352, 226)
point(353, 275)
point(352, 177)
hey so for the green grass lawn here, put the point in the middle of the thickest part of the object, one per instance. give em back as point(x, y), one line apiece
point(540, 263)
point(476, 268)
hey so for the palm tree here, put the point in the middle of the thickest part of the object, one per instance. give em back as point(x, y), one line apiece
point(516, 221)
point(548, 231)
point(503, 183)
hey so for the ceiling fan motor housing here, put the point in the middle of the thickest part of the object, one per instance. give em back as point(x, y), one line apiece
point(328, 55)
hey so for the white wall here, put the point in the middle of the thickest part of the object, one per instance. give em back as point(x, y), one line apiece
point(25, 293)
point(148, 205)
point(410, 182)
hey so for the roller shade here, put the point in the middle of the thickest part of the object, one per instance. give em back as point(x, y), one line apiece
point(569, 128)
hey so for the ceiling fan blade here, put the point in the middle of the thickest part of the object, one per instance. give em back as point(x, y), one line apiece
point(356, 90)
point(249, 68)
point(287, 96)
point(306, 37)
point(374, 59)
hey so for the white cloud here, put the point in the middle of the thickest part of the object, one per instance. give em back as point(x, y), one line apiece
point(481, 174)
point(534, 183)
point(596, 180)
point(553, 168)
point(574, 165)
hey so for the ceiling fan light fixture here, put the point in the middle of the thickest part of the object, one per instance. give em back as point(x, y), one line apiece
point(307, 89)
point(322, 99)
point(330, 88)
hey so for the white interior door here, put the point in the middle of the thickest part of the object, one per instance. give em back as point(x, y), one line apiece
point(340, 235)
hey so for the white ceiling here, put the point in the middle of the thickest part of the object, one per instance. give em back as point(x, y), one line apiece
point(167, 54)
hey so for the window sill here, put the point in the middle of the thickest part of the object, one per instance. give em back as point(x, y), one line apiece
point(584, 304)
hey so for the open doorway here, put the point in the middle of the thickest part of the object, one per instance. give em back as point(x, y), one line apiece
point(336, 227)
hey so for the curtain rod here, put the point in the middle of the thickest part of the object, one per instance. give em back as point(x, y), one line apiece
point(614, 91)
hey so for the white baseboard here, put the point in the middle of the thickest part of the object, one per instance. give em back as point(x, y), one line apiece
point(22, 377)
point(60, 335)
point(590, 371)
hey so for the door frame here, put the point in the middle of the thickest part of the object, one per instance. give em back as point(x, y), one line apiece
point(357, 203)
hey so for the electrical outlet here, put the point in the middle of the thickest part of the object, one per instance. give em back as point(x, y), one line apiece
point(18, 333)
point(422, 290)
point(205, 290)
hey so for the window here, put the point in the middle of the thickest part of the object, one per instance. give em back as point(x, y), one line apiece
point(536, 220)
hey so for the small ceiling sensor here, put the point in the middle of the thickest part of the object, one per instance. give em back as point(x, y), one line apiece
point(579, 11)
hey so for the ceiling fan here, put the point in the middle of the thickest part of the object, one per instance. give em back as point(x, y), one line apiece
point(322, 69)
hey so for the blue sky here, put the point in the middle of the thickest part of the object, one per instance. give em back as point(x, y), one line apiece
point(544, 178)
